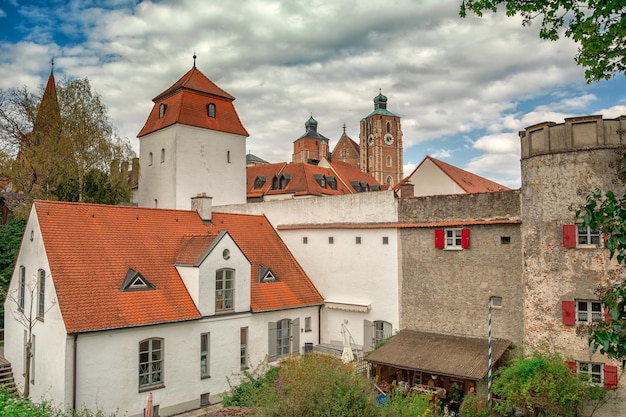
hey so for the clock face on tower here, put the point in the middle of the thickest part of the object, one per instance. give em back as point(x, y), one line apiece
point(370, 140)
point(388, 138)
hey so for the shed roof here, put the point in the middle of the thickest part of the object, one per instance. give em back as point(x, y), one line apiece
point(459, 356)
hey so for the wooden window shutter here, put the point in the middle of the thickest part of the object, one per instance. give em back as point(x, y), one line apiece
point(571, 365)
point(465, 243)
point(440, 241)
point(271, 336)
point(295, 336)
point(607, 315)
point(368, 335)
point(610, 377)
point(569, 235)
point(568, 314)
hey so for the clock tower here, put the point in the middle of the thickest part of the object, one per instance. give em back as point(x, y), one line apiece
point(381, 144)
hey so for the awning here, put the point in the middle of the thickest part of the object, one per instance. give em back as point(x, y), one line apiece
point(463, 357)
point(347, 306)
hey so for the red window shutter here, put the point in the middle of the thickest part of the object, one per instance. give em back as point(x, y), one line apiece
point(607, 315)
point(610, 377)
point(568, 314)
point(569, 235)
point(465, 238)
point(571, 365)
point(440, 241)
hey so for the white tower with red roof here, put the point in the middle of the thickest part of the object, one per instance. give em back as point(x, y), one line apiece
point(193, 143)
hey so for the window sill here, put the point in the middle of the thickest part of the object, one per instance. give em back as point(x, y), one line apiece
point(453, 248)
point(151, 387)
point(205, 376)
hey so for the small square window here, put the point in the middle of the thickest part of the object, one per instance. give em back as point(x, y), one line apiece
point(305, 240)
point(588, 311)
point(505, 240)
point(331, 240)
point(385, 240)
point(593, 371)
point(453, 238)
point(358, 240)
point(587, 237)
point(495, 302)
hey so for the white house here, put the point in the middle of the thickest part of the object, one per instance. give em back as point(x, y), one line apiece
point(122, 301)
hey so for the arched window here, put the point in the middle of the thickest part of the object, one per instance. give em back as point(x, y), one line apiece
point(150, 158)
point(388, 127)
point(369, 128)
point(389, 180)
point(210, 109)
point(224, 289)
point(151, 362)
point(388, 160)
point(162, 155)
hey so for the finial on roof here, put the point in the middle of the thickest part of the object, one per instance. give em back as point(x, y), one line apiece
point(344, 128)
point(194, 59)
point(52, 66)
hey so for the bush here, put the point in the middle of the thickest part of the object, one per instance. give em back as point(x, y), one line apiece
point(11, 405)
point(253, 389)
point(474, 406)
point(413, 405)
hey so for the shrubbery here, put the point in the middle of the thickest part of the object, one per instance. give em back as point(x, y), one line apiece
point(13, 406)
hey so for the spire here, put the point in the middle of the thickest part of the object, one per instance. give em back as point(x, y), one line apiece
point(52, 66)
point(344, 128)
point(194, 59)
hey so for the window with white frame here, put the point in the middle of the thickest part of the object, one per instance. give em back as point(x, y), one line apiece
point(41, 298)
point(453, 238)
point(382, 330)
point(150, 363)
point(592, 371)
point(205, 340)
point(588, 311)
point(243, 342)
point(224, 289)
point(307, 324)
point(586, 236)
point(283, 337)
point(162, 155)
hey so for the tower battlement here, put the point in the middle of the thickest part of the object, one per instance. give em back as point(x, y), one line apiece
point(577, 133)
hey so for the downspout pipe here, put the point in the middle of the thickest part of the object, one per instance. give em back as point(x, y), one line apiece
point(74, 371)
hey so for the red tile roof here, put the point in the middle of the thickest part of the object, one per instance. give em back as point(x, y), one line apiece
point(470, 183)
point(303, 182)
point(186, 102)
point(90, 248)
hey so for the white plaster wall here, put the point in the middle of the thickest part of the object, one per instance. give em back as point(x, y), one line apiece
point(49, 349)
point(430, 180)
point(215, 261)
point(158, 180)
point(371, 207)
point(366, 273)
point(195, 162)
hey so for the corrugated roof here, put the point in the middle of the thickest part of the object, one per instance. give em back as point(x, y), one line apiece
point(458, 356)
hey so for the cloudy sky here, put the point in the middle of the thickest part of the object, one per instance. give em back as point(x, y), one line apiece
point(463, 87)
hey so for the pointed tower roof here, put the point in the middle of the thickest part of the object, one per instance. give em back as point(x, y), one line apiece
point(49, 113)
point(187, 102)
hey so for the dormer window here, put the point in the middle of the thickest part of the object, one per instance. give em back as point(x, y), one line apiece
point(332, 182)
point(321, 180)
point(162, 108)
point(134, 281)
point(210, 110)
point(280, 181)
point(259, 181)
point(266, 275)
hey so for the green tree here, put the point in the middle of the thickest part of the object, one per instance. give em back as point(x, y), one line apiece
point(10, 239)
point(599, 27)
point(542, 384)
point(606, 212)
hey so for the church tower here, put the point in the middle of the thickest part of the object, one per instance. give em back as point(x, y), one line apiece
point(381, 144)
point(193, 143)
point(310, 147)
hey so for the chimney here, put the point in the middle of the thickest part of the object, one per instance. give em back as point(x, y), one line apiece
point(203, 205)
point(407, 189)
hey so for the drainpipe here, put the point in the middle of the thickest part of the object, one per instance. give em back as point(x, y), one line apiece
point(319, 324)
point(74, 372)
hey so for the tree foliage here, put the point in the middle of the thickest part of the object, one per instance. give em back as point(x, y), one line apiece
point(606, 212)
point(10, 239)
point(599, 27)
point(541, 384)
point(47, 145)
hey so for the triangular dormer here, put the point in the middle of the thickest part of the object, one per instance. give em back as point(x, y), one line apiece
point(266, 275)
point(134, 281)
